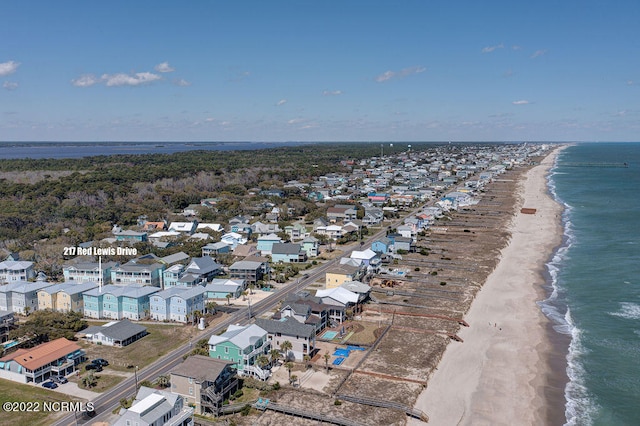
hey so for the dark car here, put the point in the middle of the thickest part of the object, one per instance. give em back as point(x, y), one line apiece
point(49, 385)
point(96, 367)
point(101, 362)
point(59, 379)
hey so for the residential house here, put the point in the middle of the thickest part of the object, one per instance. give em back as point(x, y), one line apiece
point(154, 226)
point(205, 268)
point(381, 245)
point(311, 245)
point(233, 239)
point(7, 322)
point(242, 345)
point(64, 297)
point(137, 273)
point(250, 272)
point(260, 228)
point(338, 299)
point(368, 258)
point(205, 383)
point(341, 274)
point(301, 336)
point(177, 303)
point(214, 249)
point(37, 364)
point(219, 288)
point(21, 296)
point(243, 251)
point(175, 258)
point(118, 302)
point(213, 227)
point(372, 216)
point(114, 333)
point(305, 309)
point(296, 231)
point(405, 231)
point(266, 242)
point(153, 407)
point(94, 272)
point(130, 236)
point(341, 213)
point(187, 228)
point(288, 253)
point(404, 244)
point(16, 270)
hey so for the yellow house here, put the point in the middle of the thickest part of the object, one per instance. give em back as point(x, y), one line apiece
point(64, 297)
point(341, 275)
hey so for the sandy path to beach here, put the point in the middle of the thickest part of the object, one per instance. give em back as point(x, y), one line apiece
point(497, 376)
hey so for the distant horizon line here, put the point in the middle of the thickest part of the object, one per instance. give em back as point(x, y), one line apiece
point(303, 142)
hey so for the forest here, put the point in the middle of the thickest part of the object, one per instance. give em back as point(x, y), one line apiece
point(47, 204)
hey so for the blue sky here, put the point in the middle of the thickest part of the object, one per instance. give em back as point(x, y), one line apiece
point(238, 70)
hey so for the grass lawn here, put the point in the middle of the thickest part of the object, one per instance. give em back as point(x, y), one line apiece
point(162, 339)
point(16, 392)
point(105, 381)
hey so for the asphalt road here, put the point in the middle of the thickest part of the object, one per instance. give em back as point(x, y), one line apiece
point(110, 400)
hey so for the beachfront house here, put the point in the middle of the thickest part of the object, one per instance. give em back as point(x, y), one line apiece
point(301, 336)
point(206, 383)
point(242, 345)
point(118, 302)
point(153, 407)
point(137, 273)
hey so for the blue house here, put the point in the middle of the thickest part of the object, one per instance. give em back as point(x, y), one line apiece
point(381, 245)
point(219, 288)
point(266, 242)
point(137, 273)
point(288, 253)
point(118, 302)
point(177, 303)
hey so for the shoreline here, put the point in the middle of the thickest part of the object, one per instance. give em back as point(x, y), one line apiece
point(511, 368)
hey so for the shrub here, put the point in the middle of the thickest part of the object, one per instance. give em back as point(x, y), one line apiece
point(245, 410)
point(434, 273)
point(416, 269)
point(443, 283)
point(337, 402)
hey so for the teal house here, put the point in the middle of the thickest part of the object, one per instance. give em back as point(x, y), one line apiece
point(242, 345)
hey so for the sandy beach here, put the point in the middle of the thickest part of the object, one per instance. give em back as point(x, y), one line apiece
point(500, 375)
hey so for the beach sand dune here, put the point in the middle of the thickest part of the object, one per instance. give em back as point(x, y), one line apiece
point(500, 374)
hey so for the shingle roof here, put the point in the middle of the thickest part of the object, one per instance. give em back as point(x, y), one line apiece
point(202, 368)
point(122, 330)
point(288, 326)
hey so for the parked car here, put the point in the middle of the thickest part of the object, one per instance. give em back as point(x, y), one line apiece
point(50, 385)
point(92, 366)
point(101, 362)
point(59, 379)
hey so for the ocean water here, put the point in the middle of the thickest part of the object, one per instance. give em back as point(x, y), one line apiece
point(596, 281)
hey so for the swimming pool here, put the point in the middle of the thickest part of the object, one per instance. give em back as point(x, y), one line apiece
point(342, 352)
point(338, 361)
point(330, 335)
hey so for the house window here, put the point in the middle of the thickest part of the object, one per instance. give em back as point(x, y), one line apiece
point(226, 350)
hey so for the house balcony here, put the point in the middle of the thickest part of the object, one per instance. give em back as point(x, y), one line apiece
point(184, 417)
point(62, 366)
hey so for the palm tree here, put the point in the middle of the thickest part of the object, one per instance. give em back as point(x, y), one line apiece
point(211, 307)
point(196, 316)
point(163, 381)
point(274, 354)
point(289, 367)
point(228, 296)
point(262, 361)
point(285, 347)
point(326, 357)
point(293, 379)
point(307, 360)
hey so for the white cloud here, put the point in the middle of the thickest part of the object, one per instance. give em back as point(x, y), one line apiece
point(388, 75)
point(538, 53)
point(136, 79)
point(332, 93)
point(516, 47)
point(521, 102)
point(8, 67)
point(164, 67)
point(621, 113)
point(490, 49)
point(181, 82)
point(85, 80)
point(10, 85)
point(281, 102)
point(629, 82)
point(295, 121)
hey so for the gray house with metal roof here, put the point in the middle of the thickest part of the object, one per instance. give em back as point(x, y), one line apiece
point(301, 336)
point(115, 333)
